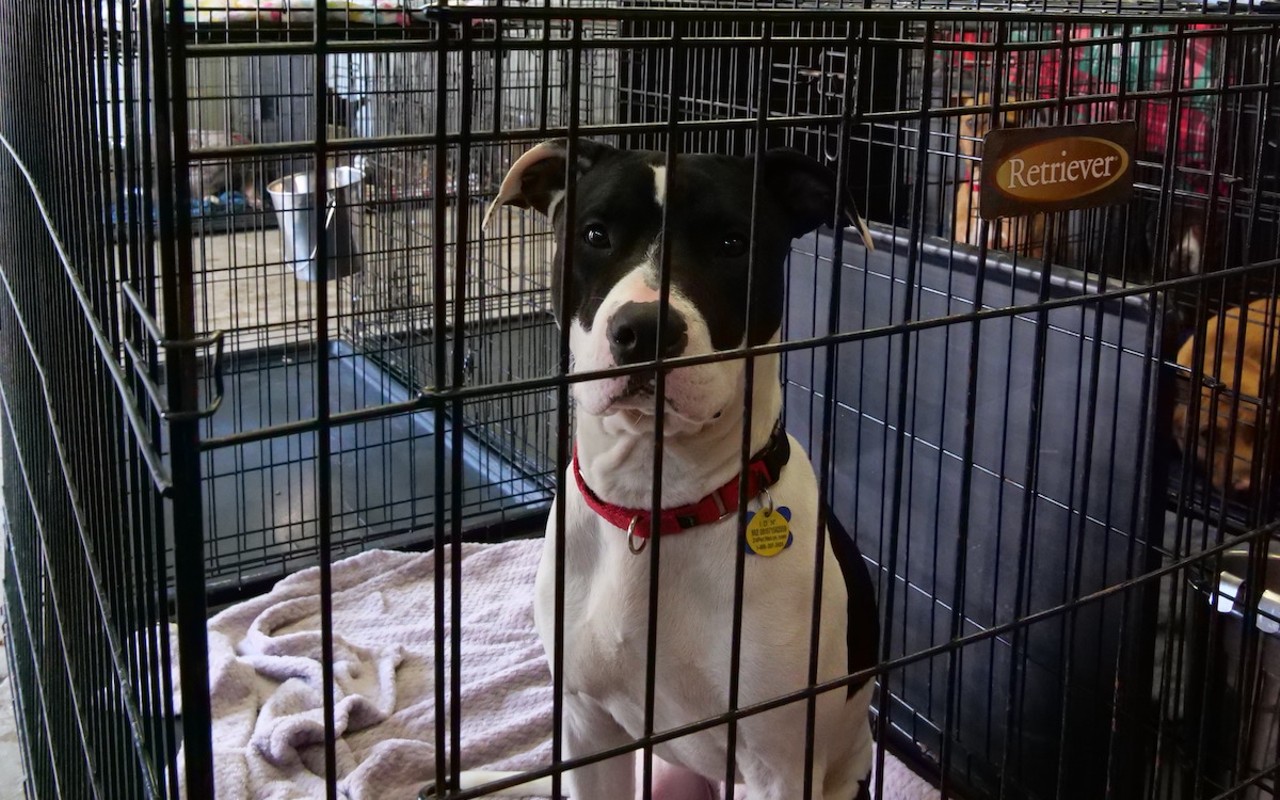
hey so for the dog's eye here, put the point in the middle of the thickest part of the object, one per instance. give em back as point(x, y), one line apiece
point(596, 236)
point(733, 245)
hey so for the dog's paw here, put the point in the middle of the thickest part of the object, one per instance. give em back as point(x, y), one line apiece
point(676, 783)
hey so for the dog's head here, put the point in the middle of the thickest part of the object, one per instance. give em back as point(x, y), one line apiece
point(608, 295)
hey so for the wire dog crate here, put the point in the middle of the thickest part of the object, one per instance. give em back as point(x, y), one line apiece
point(251, 325)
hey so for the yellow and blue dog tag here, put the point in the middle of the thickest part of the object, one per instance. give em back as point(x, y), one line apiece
point(768, 531)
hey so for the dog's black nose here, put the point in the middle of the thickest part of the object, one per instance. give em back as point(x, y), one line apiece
point(633, 333)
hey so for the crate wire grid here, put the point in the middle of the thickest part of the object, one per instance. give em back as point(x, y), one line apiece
point(135, 594)
point(385, 312)
point(658, 80)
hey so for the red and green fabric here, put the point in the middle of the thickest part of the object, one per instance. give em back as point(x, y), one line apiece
point(1148, 62)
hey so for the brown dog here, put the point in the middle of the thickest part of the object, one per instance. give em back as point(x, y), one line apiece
point(1021, 235)
point(1238, 386)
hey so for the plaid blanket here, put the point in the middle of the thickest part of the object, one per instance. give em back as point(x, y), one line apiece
point(277, 12)
point(1098, 63)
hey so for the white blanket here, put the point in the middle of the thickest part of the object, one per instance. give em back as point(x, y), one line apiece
point(265, 679)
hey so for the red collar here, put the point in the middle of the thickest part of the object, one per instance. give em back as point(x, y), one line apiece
point(763, 471)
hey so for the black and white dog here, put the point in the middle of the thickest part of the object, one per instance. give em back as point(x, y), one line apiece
point(611, 307)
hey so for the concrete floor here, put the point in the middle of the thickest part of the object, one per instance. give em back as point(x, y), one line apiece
point(11, 773)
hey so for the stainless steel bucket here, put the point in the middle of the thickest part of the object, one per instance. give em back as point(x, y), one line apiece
point(292, 197)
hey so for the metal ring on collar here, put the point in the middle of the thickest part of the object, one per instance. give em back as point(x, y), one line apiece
point(769, 508)
point(632, 538)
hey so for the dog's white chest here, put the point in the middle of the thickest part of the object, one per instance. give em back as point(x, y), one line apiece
point(607, 594)
point(607, 624)
point(606, 602)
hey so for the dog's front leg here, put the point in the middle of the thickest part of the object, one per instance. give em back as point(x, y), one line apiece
point(589, 729)
point(784, 778)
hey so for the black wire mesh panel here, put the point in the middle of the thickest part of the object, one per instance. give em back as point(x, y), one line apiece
point(85, 567)
point(1071, 608)
point(1034, 512)
point(386, 310)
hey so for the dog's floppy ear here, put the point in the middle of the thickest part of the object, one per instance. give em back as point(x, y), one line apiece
point(807, 190)
point(536, 179)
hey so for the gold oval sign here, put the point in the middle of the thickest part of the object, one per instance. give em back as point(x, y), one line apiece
point(1061, 169)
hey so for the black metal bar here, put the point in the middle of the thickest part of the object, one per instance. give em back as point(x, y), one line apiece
point(141, 129)
point(748, 394)
point(177, 282)
point(775, 122)
point(153, 690)
point(959, 578)
point(675, 75)
point(460, 261)
point(1046, 15)
point(428, 398)
point(849, 116)
point(901, 440)
point(1239, 23)
point(439, 378)
point(324, 444)
point(1029, 508)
